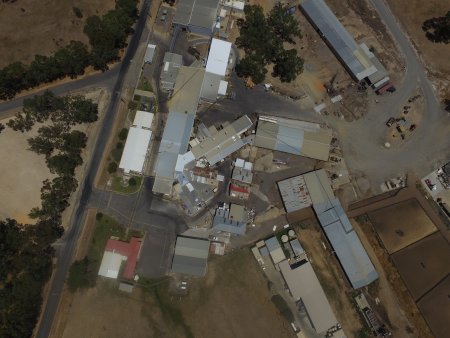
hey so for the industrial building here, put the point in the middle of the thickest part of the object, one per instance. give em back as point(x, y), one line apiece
point(235, 5)
point(117, 252)
point(304, 285)
point(222, 143)
point(231, 218)
point(197, 16)
point(353, 57)
point(149, 53)
point(137, 143)
point(191, 256)
point(242, 171)
point(293, 137)
point(275, 250)
point(214, 84)
point(171, 66)
point(177, 132)
point(314, 189)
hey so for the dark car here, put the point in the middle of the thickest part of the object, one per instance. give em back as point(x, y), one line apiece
point(390, 122)
point(413, 127)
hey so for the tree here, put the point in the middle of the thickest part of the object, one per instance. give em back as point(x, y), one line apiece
point(41, 145)
point(112, 167)
point(132, 181)
point(438, 29)
point(63, 164)
point(74, 142)
point(123, 134)
point(252, 65)
point(81, 275)
point(283, 23)
point(288, 65)
point(78, 13)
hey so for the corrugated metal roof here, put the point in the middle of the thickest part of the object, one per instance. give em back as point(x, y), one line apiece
point(191, 255)
point(345, 242)
point(296, 247)
point(293, 137)
point(169, 72)
point(143, 119)
point(337, 36)
point(224, 142)
point(149, 53)
point(187, 89)
point(175, 141)
point(210, 86)
point(303, 284)
point(200, 13)
point(218, 56)
point(135, 150)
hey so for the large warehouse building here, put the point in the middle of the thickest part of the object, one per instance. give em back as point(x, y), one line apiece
point(304, 285)
point(356, 59)
point(179, 124)
point(314, 189)
point(293, 137)
point(191, 256)
point(137, 143)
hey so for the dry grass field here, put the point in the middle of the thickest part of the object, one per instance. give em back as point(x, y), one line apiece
point(412, 13)
point(401, 224)
point(233, 300)
point(423, 264)
point(29, 27)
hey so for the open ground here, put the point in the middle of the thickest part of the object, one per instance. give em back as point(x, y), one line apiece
point(23, 170)
point(401, 224)
point(412, 13)
point(45, 26)
point(232, 301)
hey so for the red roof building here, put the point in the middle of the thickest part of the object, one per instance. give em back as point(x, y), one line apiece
point(129, 252)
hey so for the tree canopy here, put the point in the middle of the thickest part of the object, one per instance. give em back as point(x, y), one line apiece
point(438, 29)
point(262, 38)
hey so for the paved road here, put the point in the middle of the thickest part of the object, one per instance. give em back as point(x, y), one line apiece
point(104, 80)
point(363, 140)
point(69, 240)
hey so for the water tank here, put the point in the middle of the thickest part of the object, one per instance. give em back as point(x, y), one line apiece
point(284, 238)
point(291, 233)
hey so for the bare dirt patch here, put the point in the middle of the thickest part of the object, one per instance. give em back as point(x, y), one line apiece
point(401, 224)
point(22, 174)
point(412, 13)
point(408, 307)
point(423, 264)
point(29, 27)
point(234, 301)
point(436, 307)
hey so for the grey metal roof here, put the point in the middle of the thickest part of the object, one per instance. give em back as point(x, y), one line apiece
point(303, 284)
point(210, 87)
point(187, 89)
point(200, 13)
point(272, 243)
point(338, 38)
point(191, 255)
point(223, 222)
point(149, 53)
point(349, 250)
point(169, 72)
point(293, 137)
point(175, 141)
point(296, 247)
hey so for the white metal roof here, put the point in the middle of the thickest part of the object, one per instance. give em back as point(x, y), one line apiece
point(219, 53)
point(110, 265)
point(143, 119)
point(223, 88)
point(135, 150)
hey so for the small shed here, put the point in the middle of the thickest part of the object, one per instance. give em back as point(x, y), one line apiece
point(149, 53)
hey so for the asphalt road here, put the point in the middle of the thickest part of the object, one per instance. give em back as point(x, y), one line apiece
point(363, 140)
point(69, 240)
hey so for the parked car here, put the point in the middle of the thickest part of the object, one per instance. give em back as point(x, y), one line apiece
point(413, 126)
point(2, 127)
point(390, 122)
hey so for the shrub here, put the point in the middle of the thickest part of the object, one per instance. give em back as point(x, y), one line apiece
point(123, 134)
point(132, 182)
point(112, 167)
point(78, 13)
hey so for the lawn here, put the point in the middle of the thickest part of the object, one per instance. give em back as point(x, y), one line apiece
point(130, 189)
point(144, 84)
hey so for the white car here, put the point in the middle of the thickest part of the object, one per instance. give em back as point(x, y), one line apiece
point(274, 228)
